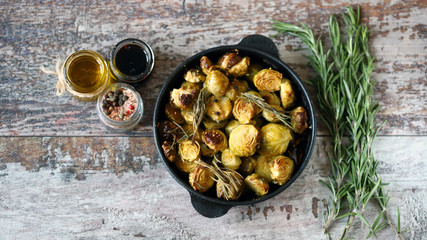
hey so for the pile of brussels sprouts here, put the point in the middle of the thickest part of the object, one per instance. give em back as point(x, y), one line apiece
point(239, 146)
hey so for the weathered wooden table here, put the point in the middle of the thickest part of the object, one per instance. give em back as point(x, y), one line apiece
point(63, 176)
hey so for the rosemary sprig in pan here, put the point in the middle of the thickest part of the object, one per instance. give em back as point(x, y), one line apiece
point(226, 179)
point(199, 110)
point(175, 141)
point(265, 106)
point(186, 136)
point(344, 93)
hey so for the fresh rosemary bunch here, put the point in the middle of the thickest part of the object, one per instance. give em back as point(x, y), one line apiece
point(344, 93)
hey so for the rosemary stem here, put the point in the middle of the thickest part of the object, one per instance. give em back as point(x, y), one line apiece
point(351, 217)
point(387, 215)
point(347, 227)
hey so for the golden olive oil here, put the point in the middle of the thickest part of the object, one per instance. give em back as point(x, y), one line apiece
point(86, 74)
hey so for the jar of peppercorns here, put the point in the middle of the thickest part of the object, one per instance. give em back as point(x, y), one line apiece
point(120, 107)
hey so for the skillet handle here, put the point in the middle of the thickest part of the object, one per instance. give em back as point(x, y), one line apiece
point(261, 43)
point(207, 208)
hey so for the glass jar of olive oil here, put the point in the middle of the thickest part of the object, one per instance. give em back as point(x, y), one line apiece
point(86, 74)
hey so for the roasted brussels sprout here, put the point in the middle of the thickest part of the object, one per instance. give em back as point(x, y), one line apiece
point(188, 116)
point(211, 124)
point(270, 97)
point(174, 114)
point(268, 80)
point(241, 68)
point(189, 150)
point(218, 108)
point(167, 129)
point(206, 65)
point(244, 140)
point(235, 88)
point(281, 168)
point(170, 151)
point(185, 166)
point(257, 184)
point(229, 160)
point(201, 178)
point(230, 191)
point(252, 70)
point(287, 94)
point(188, 128)
point(262, 168)
point(271, 117)
point(231, 126)
point(234, 64)
point(228, 60)
point(274, 139)
point(215, 139)
point(258, 122)
point(217, 83)
point(183, 98)
point(299, 120)
point(194, 75)
point(258, 110)
point(234, 123)
point(191, 86)
point(244, 111)
point(248, 165)
point(206, 151)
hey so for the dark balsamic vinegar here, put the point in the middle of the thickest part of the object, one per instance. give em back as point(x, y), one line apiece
point(131, 60)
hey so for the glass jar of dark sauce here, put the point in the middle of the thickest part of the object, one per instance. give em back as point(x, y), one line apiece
point(131, 61)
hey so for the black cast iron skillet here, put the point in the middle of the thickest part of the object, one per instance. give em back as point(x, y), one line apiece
point(262, 50)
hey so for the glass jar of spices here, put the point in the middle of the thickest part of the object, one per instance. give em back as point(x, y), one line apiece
point(120, 107)
point(86, 74)
point(131, 61)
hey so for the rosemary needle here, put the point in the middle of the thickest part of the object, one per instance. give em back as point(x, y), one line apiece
point(344, 93)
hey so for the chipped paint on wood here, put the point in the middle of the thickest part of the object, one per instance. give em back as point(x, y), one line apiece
point(148, 201)
point(27, 151)
point(177, 30)
point(63, 175)
point(76, 157)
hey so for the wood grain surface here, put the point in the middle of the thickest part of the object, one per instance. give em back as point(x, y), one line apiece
point(64, 176)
